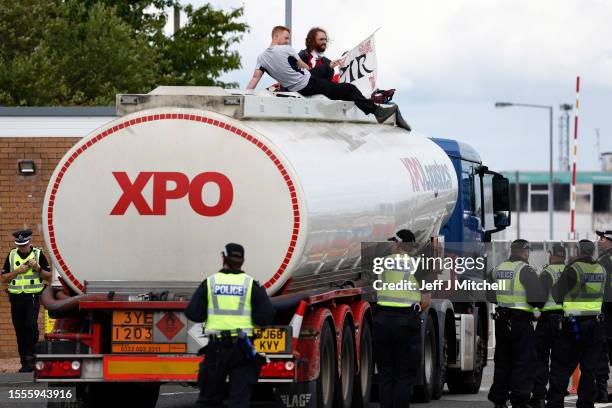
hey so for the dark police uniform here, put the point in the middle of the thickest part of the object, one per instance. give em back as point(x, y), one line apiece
point(514, 334)
point(227, 302)
point(602, 371)
point(24, 292)
point(580, 288)
point(547, 330)
point(397, 334)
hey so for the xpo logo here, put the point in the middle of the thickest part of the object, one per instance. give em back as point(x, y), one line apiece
point(132, 192)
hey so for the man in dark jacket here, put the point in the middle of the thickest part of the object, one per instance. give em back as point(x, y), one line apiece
point(313, 54)
point(221, 302)
point(581, 290)
point(520, 291)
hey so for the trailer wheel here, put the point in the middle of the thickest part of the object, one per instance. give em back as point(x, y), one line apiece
point(345, 384)
point(431, 372)
point(469, 382)
point(363, 380)
point(327, 368)
point(438, 388)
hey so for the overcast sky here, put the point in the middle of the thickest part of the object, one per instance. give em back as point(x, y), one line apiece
point(451, 60)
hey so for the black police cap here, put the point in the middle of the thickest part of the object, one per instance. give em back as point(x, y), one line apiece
point(607, 234)
point(22, 237)
point(520, 244)
point(558, 250)
point(403, 235)
point(586, 246)
point(235, 250)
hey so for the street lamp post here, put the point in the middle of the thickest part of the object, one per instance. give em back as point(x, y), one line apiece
point(550, 158)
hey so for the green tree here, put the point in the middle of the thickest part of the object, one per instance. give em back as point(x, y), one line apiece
point(83, 52)
point(201, 51)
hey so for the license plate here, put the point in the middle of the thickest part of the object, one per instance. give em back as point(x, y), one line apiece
point(270, 340)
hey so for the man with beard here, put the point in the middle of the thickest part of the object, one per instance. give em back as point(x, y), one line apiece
point(313, 54)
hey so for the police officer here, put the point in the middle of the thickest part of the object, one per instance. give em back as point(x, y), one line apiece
point(581, 288)
point(230, 303)
point(397, 326)
point(519, 292)
point(604, 245)
point(25, 270)
point(548, 327)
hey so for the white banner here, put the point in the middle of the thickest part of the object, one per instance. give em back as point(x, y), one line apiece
point(360, 66)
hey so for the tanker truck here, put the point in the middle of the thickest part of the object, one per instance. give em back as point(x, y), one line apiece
point(137, 212)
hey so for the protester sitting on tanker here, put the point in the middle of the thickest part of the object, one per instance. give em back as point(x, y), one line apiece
point(283, 64)
point(313, 55)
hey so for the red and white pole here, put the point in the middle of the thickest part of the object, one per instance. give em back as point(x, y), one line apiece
point(576, 374)
point(574, 157)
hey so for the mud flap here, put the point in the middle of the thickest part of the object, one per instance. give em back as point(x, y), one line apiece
point(298, 395)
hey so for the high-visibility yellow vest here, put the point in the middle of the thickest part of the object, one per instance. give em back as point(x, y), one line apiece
point(512, 293)
point(28, 282)
point(229, 303)
point(554, 271)
point(398, 298)
point(586, 297)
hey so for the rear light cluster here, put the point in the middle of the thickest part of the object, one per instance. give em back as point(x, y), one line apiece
point(278, 369)
point(58, 368)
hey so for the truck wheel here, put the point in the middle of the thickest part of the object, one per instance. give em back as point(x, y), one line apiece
point(460, 382)
point(438, 388)
point(363, 381)
point(431, 372)
point(327, 368)
point(344, 386)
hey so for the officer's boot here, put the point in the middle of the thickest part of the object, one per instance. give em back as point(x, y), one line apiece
point(602, 391)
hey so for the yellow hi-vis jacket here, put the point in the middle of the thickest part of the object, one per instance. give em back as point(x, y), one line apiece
point(554, 271)
point(28, 282)
point(398, 298)
point(229, 303)
point(586, 297)
point(513, 295)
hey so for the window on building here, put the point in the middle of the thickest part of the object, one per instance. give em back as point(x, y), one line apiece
point(538, 196)
point(522, 196)
point(562, 197)
point(601, 198)
point(583, 198)
point(539, 202)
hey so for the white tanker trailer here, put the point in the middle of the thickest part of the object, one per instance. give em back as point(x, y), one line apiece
point(137, 212)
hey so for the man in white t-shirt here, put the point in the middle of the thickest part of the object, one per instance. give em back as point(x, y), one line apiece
point(283, 64)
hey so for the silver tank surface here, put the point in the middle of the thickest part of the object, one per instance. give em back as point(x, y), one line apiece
point(150, 199)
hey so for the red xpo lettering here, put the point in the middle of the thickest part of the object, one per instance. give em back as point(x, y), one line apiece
point(132, 192)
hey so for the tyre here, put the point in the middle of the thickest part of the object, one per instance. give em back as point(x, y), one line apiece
point(431, 372)
point(438, 388)
point(363, 380)
point(468, 382)
point(327, 368)
point(345, 383)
